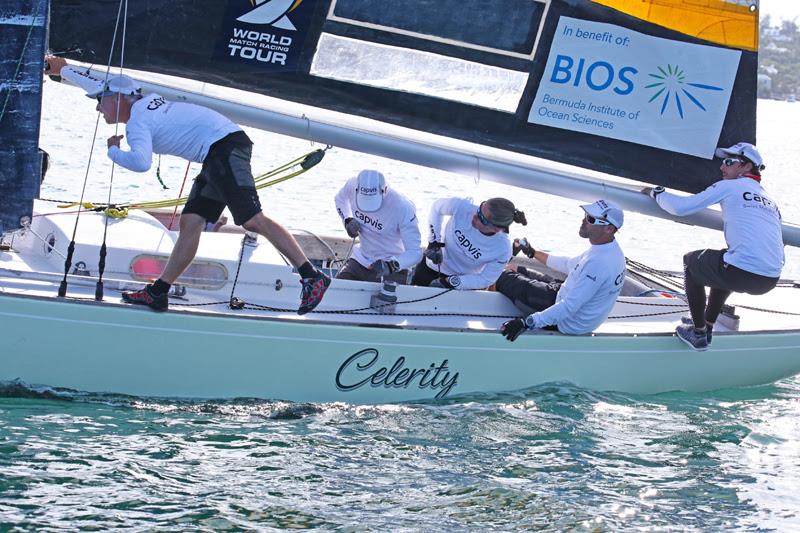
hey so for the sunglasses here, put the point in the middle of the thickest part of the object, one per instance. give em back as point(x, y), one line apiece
point(485, 221)
point(730, 161)
point(597, 221)
point(103, 95)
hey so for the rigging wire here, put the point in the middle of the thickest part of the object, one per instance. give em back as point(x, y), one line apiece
point(101, 263)
point(62, 289)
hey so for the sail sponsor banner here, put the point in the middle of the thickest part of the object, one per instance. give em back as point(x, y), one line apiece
point(266, 34)
point(614, 82)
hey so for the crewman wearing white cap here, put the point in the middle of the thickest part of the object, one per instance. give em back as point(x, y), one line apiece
point(385, 221)
point(581, 302)
point(753, 259)
point(154, 125)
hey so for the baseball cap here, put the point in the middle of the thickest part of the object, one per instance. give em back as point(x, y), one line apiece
point(744, 149)
point(370, 190)
point(116, 84)
point(607, 211)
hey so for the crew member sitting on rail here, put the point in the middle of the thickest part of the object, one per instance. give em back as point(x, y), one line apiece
point(583, 301)
point(474, 247)
point(753, 259)
point(385, 222)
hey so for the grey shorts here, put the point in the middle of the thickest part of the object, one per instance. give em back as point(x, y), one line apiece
point(226, 179)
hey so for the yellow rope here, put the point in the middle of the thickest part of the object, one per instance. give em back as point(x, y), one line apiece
point(262, 181)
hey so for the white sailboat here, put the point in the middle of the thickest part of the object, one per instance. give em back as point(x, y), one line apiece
point(423, 347)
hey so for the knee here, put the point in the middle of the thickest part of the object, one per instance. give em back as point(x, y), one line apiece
point(191, 223)
point(256, 223)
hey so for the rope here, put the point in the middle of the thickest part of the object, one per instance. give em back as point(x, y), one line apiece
point(62, 289)
point(262, 181)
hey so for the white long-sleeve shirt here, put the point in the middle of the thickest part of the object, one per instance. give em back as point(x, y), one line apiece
point(175, 128)
point(752, 222)
point(594, 280)
point(476, 258)
point(157, 126)
point(391, 232)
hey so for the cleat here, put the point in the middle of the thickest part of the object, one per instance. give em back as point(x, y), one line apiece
point(709, 332)
point(696, 341)
point(313, 289)
point(155, 302)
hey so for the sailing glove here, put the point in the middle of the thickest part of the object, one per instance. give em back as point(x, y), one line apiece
point(522, 245)
point(655, 191)
point(513, 328)
point(434, 252)
point(352, 226)
point(450, 282)
point(382, 268)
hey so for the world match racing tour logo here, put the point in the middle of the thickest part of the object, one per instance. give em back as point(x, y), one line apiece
point(271, 47)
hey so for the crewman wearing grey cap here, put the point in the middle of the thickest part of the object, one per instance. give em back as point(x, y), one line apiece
point(753, 259)
point(155, 125)
point(581, 302)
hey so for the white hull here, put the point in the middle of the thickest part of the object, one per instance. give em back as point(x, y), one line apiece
point(211, 351)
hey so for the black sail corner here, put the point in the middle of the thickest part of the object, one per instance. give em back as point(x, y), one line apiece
point(23, 25)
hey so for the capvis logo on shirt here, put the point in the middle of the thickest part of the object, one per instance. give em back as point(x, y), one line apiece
point(467, 245)
point(368, 220)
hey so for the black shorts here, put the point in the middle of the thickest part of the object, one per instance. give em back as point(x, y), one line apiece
point(707, 267)
point(226, 179)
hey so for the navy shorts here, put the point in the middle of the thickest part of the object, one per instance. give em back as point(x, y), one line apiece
point(226, 179)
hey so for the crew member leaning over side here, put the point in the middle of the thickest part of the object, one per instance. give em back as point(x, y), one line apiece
point(753, 259)
point(473, 248)
point(154, 125)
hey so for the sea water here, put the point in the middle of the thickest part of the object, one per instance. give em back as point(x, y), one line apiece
point(553, 457)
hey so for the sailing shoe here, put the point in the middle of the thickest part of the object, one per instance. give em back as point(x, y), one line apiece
point(696, 341)
point(313, 289)
point(709, 331)
point(156, 302)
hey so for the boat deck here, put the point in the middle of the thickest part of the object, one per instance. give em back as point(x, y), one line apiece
point(269, 288)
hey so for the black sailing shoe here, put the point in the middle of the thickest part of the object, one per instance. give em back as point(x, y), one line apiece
point(696, 341)
point(688, 320)
point(156, 302)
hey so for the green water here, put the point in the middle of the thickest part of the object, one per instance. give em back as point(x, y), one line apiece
point(551, 458)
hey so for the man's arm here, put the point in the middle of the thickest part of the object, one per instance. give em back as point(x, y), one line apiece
point(140, 156)
point(687, 205)
point(412, 240)
point(440, 208)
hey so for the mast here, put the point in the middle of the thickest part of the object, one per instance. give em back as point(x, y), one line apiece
point(23, 26)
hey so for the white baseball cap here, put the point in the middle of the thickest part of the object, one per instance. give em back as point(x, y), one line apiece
point(605, 210)
point(116, 84)
point(370, 190)
point(744, 149)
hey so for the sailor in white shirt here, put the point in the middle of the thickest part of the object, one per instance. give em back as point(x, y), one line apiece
point(385, 222)
point(583, 301)
point(155, 125)
point(474, 247)
point(753, 259)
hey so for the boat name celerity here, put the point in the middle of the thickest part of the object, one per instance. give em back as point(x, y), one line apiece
point(397, 376)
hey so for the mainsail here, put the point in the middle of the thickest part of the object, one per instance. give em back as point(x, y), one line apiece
point(627, 88)
point(23, 24)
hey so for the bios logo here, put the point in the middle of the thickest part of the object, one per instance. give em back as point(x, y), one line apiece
point(272, 12)
point(672, 86)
